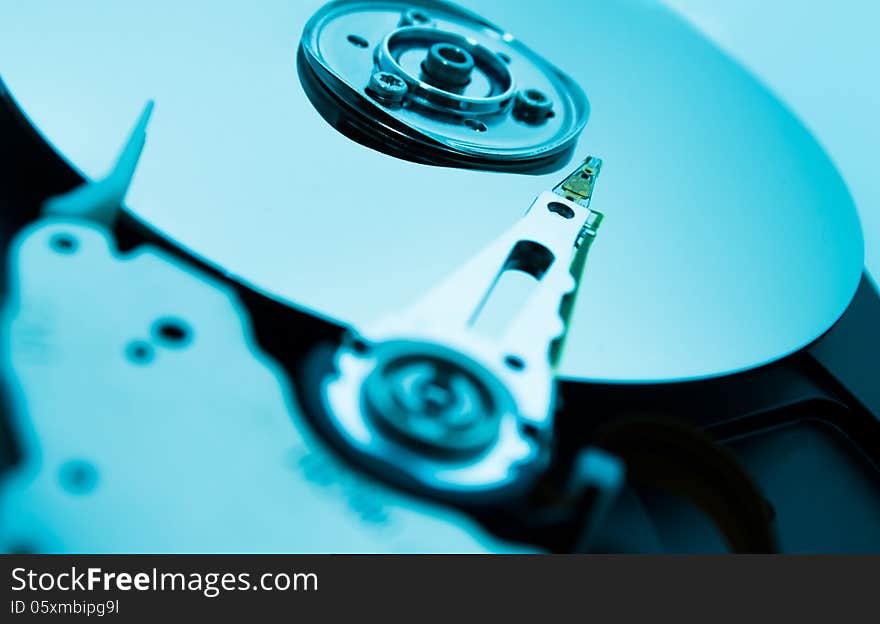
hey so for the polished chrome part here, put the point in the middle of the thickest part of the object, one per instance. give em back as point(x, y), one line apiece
point(387, 88)
point(439, 68)
point(532, 106)
point(430, 396)
point(432, 401)
point(462, 105)
point(449, 65)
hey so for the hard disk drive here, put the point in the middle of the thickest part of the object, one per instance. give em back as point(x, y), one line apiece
point(409, 276)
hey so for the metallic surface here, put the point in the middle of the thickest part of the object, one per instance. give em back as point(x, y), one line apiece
point(194, 444)
point(830, 87)
point(462, 408)
point(461, 72)
point(732, 240)
point(434, 393)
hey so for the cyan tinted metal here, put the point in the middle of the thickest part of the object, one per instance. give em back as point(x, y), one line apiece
point(457, 86)
point(729, 240)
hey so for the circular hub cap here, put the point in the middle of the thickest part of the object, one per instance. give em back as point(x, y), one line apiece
point(470, 87)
